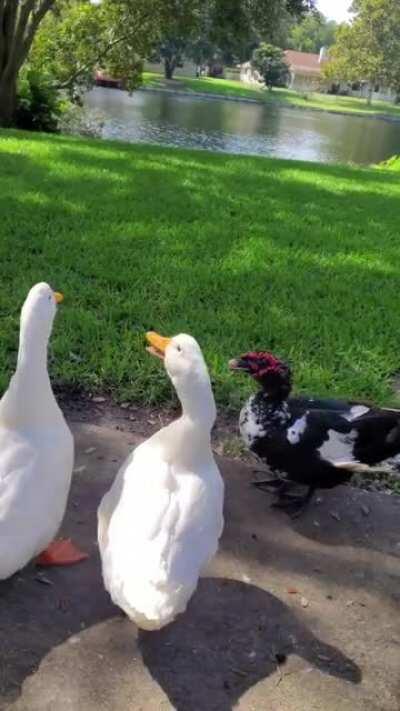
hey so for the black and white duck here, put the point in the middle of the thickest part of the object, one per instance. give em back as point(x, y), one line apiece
point(320, 443)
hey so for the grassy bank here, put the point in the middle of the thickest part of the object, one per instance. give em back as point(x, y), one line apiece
point(242, 252)
point(312, 100)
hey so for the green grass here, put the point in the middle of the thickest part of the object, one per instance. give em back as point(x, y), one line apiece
point(392, 163)
point(311, 100)
point(242, 252)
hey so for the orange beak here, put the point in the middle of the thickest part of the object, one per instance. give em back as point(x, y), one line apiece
point(59, 297)
point(158, 344)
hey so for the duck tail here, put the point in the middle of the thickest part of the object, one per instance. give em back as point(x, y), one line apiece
point(359, 468)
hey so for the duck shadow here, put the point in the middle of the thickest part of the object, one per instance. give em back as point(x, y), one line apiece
point(232, 635)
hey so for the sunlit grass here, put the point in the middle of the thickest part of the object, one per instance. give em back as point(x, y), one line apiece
point(242, 252)
point(307, 100)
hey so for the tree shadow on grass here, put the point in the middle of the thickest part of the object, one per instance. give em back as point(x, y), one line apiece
point(191, 242)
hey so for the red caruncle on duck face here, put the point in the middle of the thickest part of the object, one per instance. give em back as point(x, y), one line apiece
point(265, 368)
point(257, 363)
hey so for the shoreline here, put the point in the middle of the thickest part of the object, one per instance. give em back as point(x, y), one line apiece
point(279, 104)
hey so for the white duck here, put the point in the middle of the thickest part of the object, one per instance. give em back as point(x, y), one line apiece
point(36, 446)
point(160, 523)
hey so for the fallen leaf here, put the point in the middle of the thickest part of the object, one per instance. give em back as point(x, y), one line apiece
point(292, 591)
point(80, 469)
point(304, 602)
point(125, 405)
point(90, 450)
point(349, 603)
point(335, 515)
point(240, 672)
point(43, 580)
point(99, 398)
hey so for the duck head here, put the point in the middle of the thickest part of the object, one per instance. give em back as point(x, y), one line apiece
point(270, 372)
point(185, 365)
point(38, 313)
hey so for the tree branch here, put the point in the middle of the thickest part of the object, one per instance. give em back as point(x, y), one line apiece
point(101, 56)
point(36, 18)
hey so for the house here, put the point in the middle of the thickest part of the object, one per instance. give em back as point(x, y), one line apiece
point(305, 70)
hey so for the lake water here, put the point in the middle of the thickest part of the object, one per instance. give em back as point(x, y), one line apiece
point(238, 127)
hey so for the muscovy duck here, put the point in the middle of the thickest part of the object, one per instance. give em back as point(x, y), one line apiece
point(315, 442)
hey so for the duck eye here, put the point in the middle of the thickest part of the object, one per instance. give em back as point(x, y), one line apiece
point(49, 298)
point(179, 349)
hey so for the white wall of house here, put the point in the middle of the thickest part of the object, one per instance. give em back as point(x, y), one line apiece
point(303, 82)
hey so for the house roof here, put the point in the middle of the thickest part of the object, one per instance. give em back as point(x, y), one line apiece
point(303, 62)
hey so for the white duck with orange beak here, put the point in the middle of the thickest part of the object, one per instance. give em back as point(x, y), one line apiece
point(160, 523)
point(36, 445)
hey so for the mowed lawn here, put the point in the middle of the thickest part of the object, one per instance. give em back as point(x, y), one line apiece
point(243, 253)
point(288, 97)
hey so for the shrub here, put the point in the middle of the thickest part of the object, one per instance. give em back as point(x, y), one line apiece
point(39, 106)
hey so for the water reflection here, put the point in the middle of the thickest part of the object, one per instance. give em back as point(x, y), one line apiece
point(237, 127)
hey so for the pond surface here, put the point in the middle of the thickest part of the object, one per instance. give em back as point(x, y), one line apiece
point(238, 127)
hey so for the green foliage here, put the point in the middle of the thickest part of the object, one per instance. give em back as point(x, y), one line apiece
point(369, 48)
point(270, 63)
point(180, 28)
point(39, 106)
point(392, 163)
point(312, 33)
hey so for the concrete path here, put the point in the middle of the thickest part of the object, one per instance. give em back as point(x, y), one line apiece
point(322, 592)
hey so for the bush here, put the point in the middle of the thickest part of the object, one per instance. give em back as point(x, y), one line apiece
point(270, 63)
point(39, 106)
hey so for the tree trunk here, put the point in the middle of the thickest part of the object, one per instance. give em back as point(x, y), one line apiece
point(169, 66)
point(8, 95)
point(369, 95)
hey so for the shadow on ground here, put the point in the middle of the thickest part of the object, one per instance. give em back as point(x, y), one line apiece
point(231, 637)
point(64, 646)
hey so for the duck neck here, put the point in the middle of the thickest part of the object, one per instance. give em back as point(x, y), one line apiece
point(29, 399)
point(276, 400)
point(32, 357)
point(198, 404)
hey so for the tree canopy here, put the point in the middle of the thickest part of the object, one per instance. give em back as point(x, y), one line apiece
point(369, 48)
point(270, 63)
point(67, 39)
point(312, 33)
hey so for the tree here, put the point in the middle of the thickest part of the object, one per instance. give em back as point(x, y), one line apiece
point(270, 63)
point(368, 50)
point(312, 33)
point(178, 31)
point(19, 22)
point(72, 37)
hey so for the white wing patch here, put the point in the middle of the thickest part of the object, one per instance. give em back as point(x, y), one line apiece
point(339, 447)
point(356, 411)
point(297, 429)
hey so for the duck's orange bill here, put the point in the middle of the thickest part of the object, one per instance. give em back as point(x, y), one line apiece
point(158, 344)
point(59, 297)
point(61, 552)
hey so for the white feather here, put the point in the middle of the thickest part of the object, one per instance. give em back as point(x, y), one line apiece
point(297, 429)
point(356, 411)
point(36, 446)
point(160, 523)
